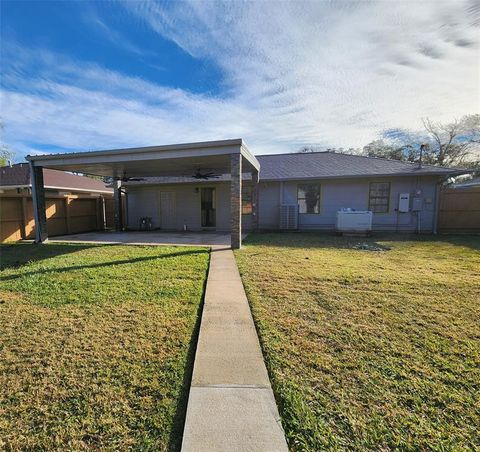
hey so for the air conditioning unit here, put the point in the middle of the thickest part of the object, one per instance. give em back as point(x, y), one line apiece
point(289, 216)
point(356, 221)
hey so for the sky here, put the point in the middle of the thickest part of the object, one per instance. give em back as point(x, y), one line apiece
point(281, 75)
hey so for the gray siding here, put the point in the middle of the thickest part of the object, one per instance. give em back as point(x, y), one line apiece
point(335, 194)
point(354, 194)
point(144, 201)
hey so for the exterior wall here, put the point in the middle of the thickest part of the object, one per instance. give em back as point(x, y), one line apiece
point(269, 205)
point(335, 194)
point(143, 201)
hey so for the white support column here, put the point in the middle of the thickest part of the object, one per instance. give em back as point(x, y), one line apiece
point(117, 202)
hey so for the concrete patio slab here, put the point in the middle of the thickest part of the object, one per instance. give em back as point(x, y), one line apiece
point(231, 406)
point(204, 238)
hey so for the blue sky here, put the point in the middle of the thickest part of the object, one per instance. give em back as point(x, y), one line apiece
point(96, 75)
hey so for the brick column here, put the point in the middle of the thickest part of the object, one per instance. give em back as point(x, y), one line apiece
point(236, 200)
point(255, 179)
point(117, 199)
point(38, 198)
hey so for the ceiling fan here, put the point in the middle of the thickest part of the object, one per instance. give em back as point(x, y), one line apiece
point(206, 175)
point(130, 179)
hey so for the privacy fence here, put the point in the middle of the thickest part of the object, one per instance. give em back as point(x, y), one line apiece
point(65, 215)
point(459, 210)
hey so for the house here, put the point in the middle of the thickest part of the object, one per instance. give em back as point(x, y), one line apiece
point(18, 178)
point(222, 186)
point(320, 183)
point(73, 203)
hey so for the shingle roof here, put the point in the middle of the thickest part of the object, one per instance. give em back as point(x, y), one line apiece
point(323, 165)
point(19, 176)
point(320, 165)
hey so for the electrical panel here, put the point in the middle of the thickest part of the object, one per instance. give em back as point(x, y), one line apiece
point(404, 202)
point(417, 204)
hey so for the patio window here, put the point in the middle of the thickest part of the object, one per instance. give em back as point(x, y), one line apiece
point(379, 197)
point(308, 197)
point(246, 199)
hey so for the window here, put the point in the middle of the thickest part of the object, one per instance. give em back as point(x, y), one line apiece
point(308, 196)
point(246, 199)
point(379, 197)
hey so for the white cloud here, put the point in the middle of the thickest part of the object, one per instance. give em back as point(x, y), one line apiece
point(328, 73)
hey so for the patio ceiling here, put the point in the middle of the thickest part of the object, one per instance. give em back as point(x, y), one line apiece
point(169, 160)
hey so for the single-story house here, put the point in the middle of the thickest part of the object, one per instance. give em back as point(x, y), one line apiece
point(18, 178)
point(220, 185)
point(319, 183)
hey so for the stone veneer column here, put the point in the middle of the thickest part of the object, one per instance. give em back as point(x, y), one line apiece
point(117, 202)
point(255, 180)
point(236, 200)
point(38, 198)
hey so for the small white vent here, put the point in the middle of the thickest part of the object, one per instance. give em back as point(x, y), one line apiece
point(289, 216)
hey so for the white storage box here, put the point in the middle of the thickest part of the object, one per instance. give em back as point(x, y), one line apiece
point(356, 221)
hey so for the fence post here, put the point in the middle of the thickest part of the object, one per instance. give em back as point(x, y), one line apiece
point(23, 229)
point(67, 215)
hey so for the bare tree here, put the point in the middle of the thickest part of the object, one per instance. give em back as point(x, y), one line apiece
point(453, 143)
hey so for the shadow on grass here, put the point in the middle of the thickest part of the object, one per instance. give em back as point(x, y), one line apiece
point(100, 265)
point(17, 254)
point(176, 436)
point(310, 239)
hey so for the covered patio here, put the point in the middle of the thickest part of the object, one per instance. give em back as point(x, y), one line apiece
point(227, 157)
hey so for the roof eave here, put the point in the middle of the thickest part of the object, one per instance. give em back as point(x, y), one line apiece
point(369, 176)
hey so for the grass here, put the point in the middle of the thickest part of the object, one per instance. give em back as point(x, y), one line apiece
point(369, 350)
point(96, 345)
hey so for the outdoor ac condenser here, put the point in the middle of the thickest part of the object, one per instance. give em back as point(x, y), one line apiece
point(289, 216)
point(357, 221)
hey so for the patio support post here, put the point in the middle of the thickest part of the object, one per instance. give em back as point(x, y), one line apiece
point(236, 200)
point(255, 179)
point(117, 200)
point(38, 198)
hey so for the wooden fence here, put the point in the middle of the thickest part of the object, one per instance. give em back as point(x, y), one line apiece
point(459, 210)
point(65, 215)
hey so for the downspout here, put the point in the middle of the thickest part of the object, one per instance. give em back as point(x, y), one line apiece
point(436, 206)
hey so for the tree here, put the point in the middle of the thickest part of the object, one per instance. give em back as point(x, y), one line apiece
point(382, 149)
point(453, 144)
point(6, 154)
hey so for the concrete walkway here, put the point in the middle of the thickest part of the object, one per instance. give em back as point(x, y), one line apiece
point(231, 406)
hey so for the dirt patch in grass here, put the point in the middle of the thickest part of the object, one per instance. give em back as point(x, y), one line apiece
point(96, 346)
point(369, 350)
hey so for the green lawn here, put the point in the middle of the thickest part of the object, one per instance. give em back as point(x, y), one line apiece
point(96, 345)
point(370, 350)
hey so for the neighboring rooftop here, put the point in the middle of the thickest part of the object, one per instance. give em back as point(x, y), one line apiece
point(18, 176)
point(471, 183)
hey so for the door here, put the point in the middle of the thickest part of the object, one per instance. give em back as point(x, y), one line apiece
point(167, 210)
point(208, 212)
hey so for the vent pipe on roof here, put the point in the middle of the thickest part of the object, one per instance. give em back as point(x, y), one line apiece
point(423, 147)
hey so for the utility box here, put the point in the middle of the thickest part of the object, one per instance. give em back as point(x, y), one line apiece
point(417, 204)
point(404, 202)
point(353, 221)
